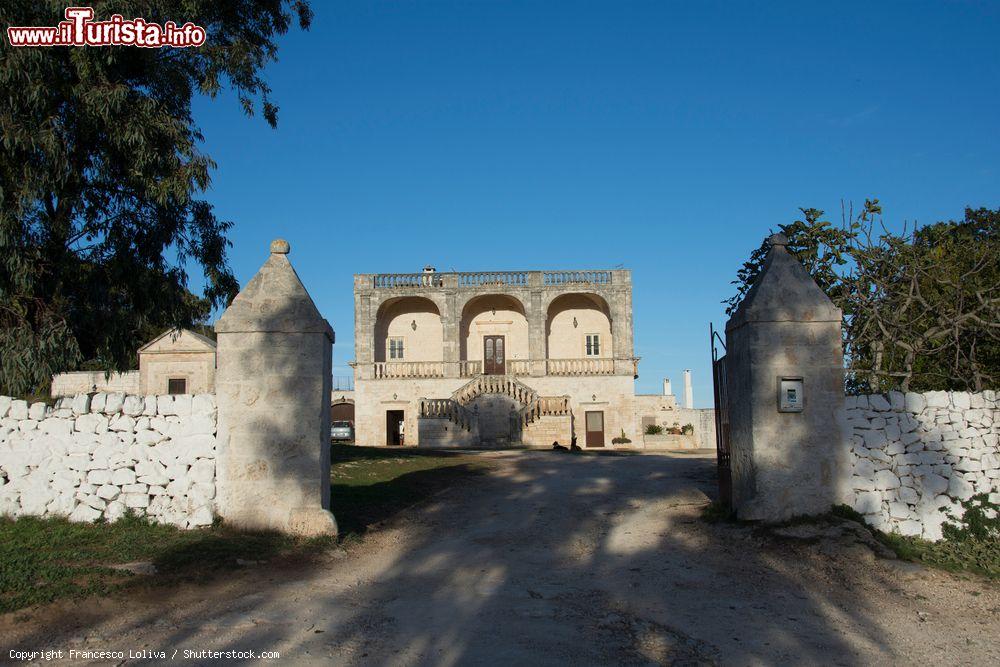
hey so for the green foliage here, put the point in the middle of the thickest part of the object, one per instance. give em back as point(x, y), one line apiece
point(971, 543)
point(980, 521)
point(621, 440)
point(653, 429)
point(920, 308)
point(99, 181)
point(687, 429)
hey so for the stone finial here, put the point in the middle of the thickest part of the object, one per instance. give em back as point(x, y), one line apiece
point(776, 241)
point(280, 247)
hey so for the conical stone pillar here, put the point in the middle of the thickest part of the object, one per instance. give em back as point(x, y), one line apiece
point(273, 387)
point(785, 369)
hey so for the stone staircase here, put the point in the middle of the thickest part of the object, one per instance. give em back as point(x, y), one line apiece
point(494, 384)
point(532, 406)
point(446, 408)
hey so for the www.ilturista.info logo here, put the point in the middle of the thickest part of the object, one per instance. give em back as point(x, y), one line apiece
point(79, 29)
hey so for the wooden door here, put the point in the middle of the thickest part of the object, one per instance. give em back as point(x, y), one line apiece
point(595, 429)
point(493, 355)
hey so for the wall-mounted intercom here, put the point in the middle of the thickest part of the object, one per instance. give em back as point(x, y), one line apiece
point(790, 396)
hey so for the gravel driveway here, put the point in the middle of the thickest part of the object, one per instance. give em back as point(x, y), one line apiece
point(552, 558)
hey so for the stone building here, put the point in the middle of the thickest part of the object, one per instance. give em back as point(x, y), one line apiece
point(494, 358)
point(178, 361)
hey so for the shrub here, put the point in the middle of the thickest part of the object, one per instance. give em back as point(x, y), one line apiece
point(621, 440)
point(687, 429)
point(654, 429)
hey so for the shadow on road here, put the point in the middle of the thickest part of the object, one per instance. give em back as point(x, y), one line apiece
point(547, 558)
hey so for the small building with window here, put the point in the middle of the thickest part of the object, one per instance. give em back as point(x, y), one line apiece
point(178, 361)
point(494, 358)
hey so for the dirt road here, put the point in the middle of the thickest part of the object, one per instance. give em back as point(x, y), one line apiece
point(558, 559)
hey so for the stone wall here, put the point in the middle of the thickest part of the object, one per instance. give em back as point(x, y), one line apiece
point(84, 382)
point(547, 430)
point(97, 455)
point(916, 456)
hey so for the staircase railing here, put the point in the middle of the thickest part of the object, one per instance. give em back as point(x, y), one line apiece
point(446, 408)
point(494, 384)
point(542, 406)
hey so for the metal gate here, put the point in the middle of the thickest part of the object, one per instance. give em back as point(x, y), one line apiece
point(719, 382)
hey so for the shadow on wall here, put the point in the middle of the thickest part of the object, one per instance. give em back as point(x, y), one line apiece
point(551, 558)
point(273, 393)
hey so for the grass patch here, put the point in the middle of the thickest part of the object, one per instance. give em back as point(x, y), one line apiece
point(370, 484)
point(43, 560)
point(978, 556)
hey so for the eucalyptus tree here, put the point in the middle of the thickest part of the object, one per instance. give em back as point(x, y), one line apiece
point(102, 180)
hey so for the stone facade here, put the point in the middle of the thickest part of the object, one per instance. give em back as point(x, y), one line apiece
point(274, 390)
point(95, 456)
point(420, 342)
point(914, 457)
point(180, 355)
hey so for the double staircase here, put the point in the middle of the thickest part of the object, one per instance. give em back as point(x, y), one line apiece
point(455, 409)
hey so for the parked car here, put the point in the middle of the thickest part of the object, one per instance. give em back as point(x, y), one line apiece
point(342, 431)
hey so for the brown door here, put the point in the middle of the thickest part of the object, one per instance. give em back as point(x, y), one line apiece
point(493, 355)
point(595, 429)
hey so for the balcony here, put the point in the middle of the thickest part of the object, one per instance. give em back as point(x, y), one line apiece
point(395, 370)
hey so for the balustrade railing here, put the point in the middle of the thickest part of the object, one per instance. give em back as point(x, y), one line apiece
point(494, 384)
point(581, 366)
point(390, 280)
point(553, 405)
point(384, 370)
point(576, 277)
point(473, 368)
point(491, 278)
point(541, 406)
point(481, 279)
point(468, 368)
point(518, 367)
point(446, 408)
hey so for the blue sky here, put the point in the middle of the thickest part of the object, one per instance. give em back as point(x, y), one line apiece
point(665, 137)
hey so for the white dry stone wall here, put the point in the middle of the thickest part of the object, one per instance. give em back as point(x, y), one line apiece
point(98, 455)
point(916, 456)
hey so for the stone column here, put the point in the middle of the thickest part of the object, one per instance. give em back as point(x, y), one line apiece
point(785, 462)
point(451, 324)
point(537, 319)
point(621, 330)
point(273, 391)
point(364, 328)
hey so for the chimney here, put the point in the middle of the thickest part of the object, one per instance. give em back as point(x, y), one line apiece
point(667, 390)
point(688, 393)
point(429, 269)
